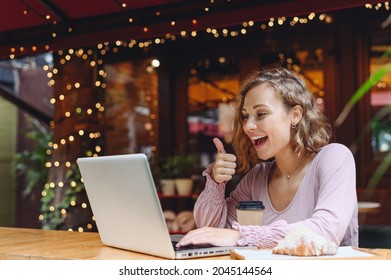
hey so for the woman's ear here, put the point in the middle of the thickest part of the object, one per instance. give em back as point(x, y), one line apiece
point(296, 114)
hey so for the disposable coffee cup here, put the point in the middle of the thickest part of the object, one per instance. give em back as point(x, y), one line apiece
point(250, 213)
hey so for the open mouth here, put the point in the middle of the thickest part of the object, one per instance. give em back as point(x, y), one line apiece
point(259, 140)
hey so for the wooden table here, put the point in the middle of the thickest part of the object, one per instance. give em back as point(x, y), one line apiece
point(36, 244)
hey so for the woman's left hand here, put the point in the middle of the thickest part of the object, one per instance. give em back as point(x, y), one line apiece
point(210, 235)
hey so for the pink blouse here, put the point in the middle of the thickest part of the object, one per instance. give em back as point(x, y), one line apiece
point(325, 202)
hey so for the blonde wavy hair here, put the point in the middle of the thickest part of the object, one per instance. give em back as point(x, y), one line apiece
point(311, 133)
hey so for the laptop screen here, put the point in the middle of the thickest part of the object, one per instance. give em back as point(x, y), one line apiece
point(125, 203)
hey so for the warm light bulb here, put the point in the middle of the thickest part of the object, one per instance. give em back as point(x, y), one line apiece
point(155, 63)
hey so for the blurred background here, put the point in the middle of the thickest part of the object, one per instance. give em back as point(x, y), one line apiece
point(161, 78)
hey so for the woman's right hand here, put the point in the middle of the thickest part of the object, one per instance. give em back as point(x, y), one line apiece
point(225, 164)
point(210, 235)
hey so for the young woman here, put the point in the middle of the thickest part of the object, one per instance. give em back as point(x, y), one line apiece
point(281, 141)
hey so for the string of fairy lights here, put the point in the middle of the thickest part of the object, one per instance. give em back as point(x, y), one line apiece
point(61, 100)
point(98, 61)
point(244, 29)
point(93, 109)
point(80, 134)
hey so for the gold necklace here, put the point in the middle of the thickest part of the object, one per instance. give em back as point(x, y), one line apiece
point(288, 176)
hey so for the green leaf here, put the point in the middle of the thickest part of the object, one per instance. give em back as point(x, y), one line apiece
point(364, 88)
point(372, 80)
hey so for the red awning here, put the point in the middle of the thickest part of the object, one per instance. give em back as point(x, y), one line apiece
point(32, 26)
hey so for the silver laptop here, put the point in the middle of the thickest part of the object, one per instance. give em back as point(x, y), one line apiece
point(127, 210)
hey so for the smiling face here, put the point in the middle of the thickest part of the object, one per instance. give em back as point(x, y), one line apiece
point(267, 122)
point(270, 102)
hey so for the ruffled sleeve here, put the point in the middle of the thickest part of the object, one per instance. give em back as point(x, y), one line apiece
point(210, 208)
point(265, 237)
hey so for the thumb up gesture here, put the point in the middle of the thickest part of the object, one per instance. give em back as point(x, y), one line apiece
point(225, 164)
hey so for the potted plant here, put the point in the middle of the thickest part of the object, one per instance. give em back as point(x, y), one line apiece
point(167, 178)
point(181, 168)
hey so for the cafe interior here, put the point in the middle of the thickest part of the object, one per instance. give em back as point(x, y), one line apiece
point(161, 78)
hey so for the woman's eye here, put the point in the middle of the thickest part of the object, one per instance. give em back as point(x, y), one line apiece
point(245, 117)
point(261, 115)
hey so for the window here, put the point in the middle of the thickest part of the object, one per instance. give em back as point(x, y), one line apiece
point(380, 104)
point(212, 88)
point(131, 107)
